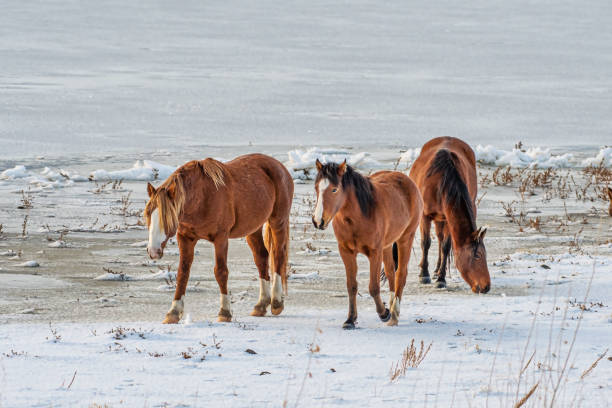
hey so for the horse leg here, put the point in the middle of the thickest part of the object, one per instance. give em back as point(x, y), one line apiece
point(375, 258)
point(425, 244)
point(404, 245)
point(389, 263)
point(279, 236)
point(350, 265)
point(260, 255)
point(221, 274)
point(444, 241)
point(186, 248)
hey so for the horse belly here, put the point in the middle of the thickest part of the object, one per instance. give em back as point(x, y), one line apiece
point(254, 206)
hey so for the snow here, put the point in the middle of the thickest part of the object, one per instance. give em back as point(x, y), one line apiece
point(142, 170)
point(302, 163)
point(29, 264)
point(303, 356)
point(16, 172)
point(409, 156)
point(532, 157)
point(604, 156)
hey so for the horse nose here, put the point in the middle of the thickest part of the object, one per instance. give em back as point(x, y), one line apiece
point(155, 253)
point(483, 290)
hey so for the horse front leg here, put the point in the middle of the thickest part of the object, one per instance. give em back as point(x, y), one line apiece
point(221, 275)
point(350, 264)
point(375, 257)
point(444, 246)
point(186, 248)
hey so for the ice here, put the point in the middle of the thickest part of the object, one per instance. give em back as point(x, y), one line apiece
point(302, 163)
point(16, 172)
point(604, 156)
point(143, 170)
point(532, 157)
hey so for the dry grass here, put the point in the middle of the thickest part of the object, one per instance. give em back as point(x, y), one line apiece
point(411, 358)
point(27, 200)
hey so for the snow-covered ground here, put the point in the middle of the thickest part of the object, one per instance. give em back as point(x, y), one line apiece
point(486, 350)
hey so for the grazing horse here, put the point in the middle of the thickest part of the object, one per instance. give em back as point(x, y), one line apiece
point(217, 201)
point(370, 214)
point(445, 173)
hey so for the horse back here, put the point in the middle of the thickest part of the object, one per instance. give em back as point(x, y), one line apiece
point(429, 183)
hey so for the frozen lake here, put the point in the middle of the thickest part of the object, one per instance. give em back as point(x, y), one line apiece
point(117, 77)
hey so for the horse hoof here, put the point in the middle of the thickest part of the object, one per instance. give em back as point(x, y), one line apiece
point(258, 312)
point(385, 316)
point(348, 325)
point(171, 319)
point(277, 308)
point(440, 284)
point(425, 279)
point(224, 319)
point(392, 322)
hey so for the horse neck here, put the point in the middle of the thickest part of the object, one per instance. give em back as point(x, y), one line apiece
point(350, 208)
point(459, 224)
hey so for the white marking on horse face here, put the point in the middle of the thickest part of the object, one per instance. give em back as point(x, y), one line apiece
point(156, 235)
point(277, 287)
point(264, 291)
point(318, 214)
point(225, 302)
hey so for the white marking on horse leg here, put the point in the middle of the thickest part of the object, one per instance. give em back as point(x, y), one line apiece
point(264, 292)
point(318, 214)
point(177, 308)
point(226, 304)
point(391, 298)
point(156, 235)
point(277, 288)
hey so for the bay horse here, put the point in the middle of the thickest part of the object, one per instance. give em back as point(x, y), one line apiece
point(445, 173)
point(369, 215)
point(216, 201)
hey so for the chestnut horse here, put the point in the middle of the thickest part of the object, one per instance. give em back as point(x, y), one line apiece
point(217, 201)
point(445, 173)
point(369, 214)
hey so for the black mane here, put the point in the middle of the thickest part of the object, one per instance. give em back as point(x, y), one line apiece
point(452, 187)
point(362, 186)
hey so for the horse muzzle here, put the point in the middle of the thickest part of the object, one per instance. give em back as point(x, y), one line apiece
point(320, 225)
point(483, 289)
point(155, 253)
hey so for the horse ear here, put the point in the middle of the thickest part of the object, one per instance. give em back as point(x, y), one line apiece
point(483, 232)
point(319, 165)
point(150, 189)
point(342, 168)
point(171, 189)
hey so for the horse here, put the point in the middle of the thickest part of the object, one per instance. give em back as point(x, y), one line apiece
point(369, 214)
point(445, 173)
point(216, 201)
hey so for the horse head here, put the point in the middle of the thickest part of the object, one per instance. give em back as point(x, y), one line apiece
point(330, 193)
point(471, 261)
point(161, 215)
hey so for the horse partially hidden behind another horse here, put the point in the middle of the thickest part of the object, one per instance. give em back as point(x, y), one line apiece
point(216, 201)
point(369, 214)
point(445, 173)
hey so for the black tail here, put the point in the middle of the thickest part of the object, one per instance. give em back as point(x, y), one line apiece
point(383, 275)
point(395, 256)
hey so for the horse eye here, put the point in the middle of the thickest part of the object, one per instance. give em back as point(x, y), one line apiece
point(334, 190)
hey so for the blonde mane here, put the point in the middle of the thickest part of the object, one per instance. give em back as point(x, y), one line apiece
point(170, 208)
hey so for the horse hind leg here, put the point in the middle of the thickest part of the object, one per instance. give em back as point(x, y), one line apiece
point(404, 250)
point(277, 240)
point(260, 255)
point(425, 227)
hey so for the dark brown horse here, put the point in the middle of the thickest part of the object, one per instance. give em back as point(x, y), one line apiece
point(369, 214)
point(217, 201)
point(445, 173)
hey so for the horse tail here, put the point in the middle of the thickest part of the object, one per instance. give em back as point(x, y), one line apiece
point(383, 275)
point(395, 255)
point(282, 268)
